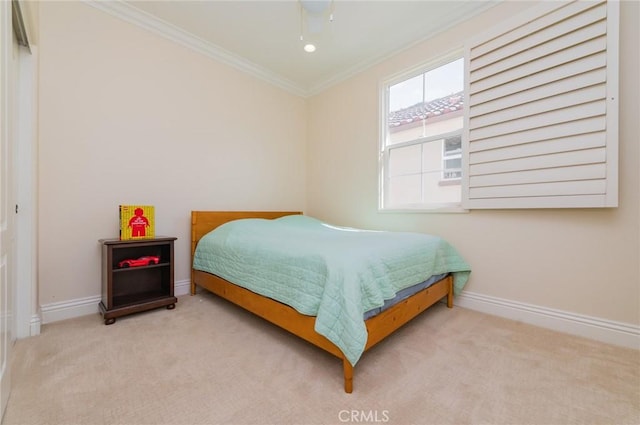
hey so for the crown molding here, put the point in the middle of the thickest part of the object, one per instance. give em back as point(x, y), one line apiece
point(133, 15)
point(364, 65)
point(171, 32)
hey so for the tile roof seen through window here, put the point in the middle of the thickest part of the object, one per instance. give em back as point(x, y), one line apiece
point(427, 110)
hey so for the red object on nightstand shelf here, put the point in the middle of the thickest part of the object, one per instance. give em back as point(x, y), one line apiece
point(142, 261)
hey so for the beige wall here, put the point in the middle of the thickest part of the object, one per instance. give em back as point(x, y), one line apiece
point(581, 261)
point(214, 138)
point(129, 117)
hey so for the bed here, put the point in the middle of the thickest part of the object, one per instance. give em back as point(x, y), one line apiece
point(342, 336)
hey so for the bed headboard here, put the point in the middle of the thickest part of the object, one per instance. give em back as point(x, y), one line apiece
point(202, 222)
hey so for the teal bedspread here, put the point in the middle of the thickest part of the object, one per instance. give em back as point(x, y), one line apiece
point(333, 273)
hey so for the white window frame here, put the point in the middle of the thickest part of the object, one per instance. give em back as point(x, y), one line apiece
point(383, 150)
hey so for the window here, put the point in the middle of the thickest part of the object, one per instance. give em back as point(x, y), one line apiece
point(529, 118)
point(421, 149)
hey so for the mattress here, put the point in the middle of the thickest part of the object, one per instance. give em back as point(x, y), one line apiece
point(403, 294)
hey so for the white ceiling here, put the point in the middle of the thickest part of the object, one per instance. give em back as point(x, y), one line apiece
point(264, 36)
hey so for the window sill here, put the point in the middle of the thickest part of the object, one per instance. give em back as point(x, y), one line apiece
point(428, 209)
point(450, 182)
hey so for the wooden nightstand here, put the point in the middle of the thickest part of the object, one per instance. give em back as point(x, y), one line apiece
point(127, 290)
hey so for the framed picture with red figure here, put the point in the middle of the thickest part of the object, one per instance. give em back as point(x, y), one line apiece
point(137, 222)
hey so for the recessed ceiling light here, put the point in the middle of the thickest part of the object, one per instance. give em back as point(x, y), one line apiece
point(309, 48)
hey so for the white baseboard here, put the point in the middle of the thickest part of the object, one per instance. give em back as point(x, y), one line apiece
point(34, 325)
point(182, 287)
point(608, 331)
point(611, 332)
point(63, 310)
point(54, 312)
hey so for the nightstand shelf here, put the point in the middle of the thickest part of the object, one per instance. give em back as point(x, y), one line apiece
point(134, 289)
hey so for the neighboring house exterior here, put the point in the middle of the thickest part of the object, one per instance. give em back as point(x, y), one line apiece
point(431, 169)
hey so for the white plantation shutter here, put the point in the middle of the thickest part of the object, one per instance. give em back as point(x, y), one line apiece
point(541, 122)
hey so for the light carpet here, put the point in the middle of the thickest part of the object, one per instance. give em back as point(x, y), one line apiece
point(209, 362)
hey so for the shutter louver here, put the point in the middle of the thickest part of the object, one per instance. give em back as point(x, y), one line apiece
point(541, 123)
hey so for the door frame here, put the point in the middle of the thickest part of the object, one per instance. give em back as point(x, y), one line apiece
point(7, 284)
point(28, 315)
point(27, 318)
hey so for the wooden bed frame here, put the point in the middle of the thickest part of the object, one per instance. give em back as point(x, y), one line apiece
point(378, 327)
